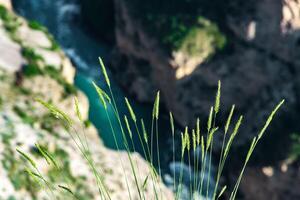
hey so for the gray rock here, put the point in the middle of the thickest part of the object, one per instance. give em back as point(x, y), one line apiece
point(11, 59)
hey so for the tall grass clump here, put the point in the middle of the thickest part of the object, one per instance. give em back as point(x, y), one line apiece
point(200, 138)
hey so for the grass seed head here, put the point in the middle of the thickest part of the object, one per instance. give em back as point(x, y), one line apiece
point(198, 131)
point(229, 119)
point(28, 158)
point(144, 131)
point(56, 112)
point(104, 72)
point(202, 147)
point(183, 144)
point(155, 112)
point(209, 121)
point(128, 126)
point(77, 110)
point(100, 94)
point(187, 139)
point(172, 123)
point(194, 140)
point(270, 119)
point(218, 96)
point(210, 137)
point(131, 112)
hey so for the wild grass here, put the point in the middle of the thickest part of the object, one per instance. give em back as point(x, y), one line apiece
point(199, 139)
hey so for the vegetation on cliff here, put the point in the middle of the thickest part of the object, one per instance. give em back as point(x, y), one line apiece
point(180, 26)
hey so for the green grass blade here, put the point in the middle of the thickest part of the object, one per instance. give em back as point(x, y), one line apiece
point(222, 191)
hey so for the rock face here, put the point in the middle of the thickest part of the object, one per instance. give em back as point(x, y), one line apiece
point(259, 68)
point(11, 57)
point(99, 16)
point(31, 68)
point(271, 183)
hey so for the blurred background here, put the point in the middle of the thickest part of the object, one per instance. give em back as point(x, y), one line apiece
point(182, 48)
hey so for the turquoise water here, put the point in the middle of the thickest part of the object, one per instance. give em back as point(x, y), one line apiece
point(99, 116)
point(97, 113)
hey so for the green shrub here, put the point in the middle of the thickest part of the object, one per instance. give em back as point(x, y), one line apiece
point(54, 45)
point(24, 116)
point(194, 36)
point(31, 70)
point(31, 56)
point(10, 21)
point(37, 26)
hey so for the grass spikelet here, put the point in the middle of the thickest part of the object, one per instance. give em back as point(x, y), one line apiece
point(202, 147)
point(155, 112)
point(232, 136)
point(36, 177)
point(47, 156)
point(104, 71)
point(77, 110)
point(144, 131)
point(210, 137)
point(66, 189)
point(128, 126)
point(187, 139)
point(104, 94)
point(237, 126)
point(209, 121)
point(183, 144)
point(52, 160)
point(218, 96)
point(229, 118)
point(172, 123)
point(222, 191)
point(194, 140)
point(131, 112)
point(100, 94)
point(269, 119)
point(27, 157)
point(33, 174)
point(198, 137)
point(44, 155)
point(56, 112)
point(145, 182)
